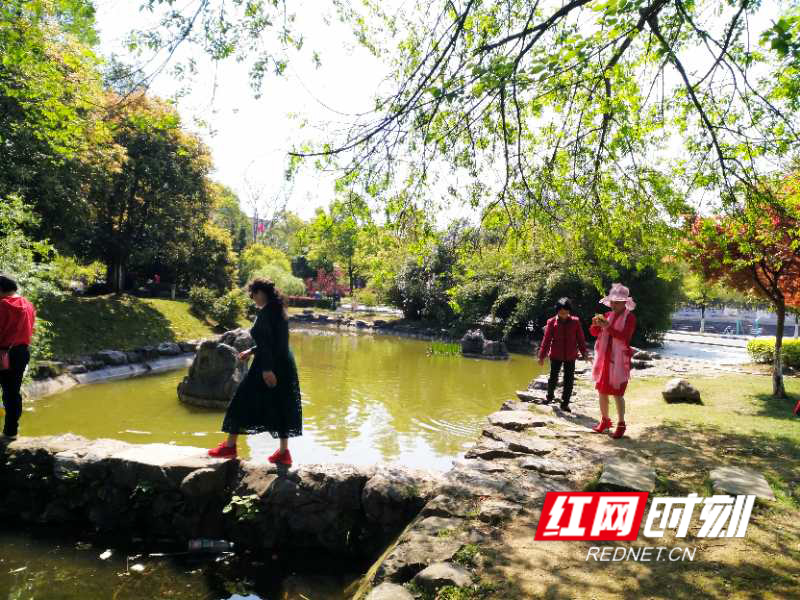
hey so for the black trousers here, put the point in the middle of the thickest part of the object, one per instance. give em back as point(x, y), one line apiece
point(569, 378)
point(11, 382)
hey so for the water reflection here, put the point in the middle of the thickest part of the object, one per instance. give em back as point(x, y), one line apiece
point(365, 399)
point(33, 567)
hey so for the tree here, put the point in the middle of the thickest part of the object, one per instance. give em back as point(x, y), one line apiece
point(51, 109)
point(206, 260)
point(340, 236)
point(229, 215)
point(702, 292)
point(755, 249)
point(150, 192)
point(281, 232)
point(259, 256)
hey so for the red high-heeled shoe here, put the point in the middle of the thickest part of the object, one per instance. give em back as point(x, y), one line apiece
point(603, 425)
point(223, 451)
point(281, 457)
point(619, 431)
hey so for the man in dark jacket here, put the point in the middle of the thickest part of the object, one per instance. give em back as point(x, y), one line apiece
point(563, 340)
point(17, 317)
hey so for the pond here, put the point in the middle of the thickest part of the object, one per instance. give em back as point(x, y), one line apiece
point(40, 567)
point(366, 399)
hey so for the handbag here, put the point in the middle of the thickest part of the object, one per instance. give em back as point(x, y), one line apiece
point(5, 363)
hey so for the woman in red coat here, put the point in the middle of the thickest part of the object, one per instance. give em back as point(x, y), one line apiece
point(17, 317)
point(612, 354)
point(563, 340)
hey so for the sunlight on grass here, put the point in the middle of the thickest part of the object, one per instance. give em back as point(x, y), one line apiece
point(740, 404)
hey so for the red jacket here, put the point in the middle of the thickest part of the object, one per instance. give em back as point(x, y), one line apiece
point(17, 316)
point(563, 339)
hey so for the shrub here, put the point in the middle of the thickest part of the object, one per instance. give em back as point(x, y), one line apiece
point(201, 301)
point(287, 283)
point(309, 302)
point(259, 256)
point(67, 270)
point(367, 297)
point(763, 351)
point(229, 309)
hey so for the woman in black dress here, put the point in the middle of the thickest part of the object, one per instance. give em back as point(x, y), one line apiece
point(268, 399)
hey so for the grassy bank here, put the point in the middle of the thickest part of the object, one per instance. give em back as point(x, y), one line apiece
point(86, 325)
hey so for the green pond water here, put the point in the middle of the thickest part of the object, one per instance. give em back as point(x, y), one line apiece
point(365, 400)
point(44, 568)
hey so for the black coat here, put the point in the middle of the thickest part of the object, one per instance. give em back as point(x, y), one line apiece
point(257, 408)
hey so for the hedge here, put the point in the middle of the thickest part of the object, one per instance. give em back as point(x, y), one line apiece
point(309, 302)
point(763, 351)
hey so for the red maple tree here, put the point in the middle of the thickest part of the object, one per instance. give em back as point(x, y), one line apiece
point(755, 248)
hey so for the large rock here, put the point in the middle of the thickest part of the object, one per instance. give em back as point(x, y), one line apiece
point(393, 495)
point(213, 377)
point(413, 553)
point(680, 390)
point(492, 348)
point(240, 339)
point(169, 349)
point(112, 358)
point(472, 342)
point(442, 574)
point(47, 368)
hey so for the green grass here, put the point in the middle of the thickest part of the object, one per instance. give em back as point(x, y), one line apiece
point(439, 348)
point(86, 325)
point(734, 404)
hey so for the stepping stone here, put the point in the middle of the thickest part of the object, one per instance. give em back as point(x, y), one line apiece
point(545, 465)
point(535, 396)
point(490, 449)
point(517, 442)
point(442, 574)
point(389, 591)
point(479, 464)
point(540, 383)
point(628, 472)
point(741, 481)
point(517, 420)
point(496, 510)
point(513, 405)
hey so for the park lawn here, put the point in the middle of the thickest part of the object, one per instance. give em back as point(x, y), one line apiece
point(735, 404)
point(86, 325)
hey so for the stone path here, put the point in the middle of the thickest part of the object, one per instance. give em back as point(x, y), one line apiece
point(740, 480)
point(627, 471)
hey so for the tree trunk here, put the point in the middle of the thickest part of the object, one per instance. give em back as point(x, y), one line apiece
point(702, 318)
point(778, 391)
point(115, 276)
point(351, 277)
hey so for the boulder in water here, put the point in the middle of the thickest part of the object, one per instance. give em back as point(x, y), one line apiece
point(215, 372)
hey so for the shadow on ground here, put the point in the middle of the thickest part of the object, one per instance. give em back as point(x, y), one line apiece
point(764, 564)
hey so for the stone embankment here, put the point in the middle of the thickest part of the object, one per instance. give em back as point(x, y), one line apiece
point(161, 493)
